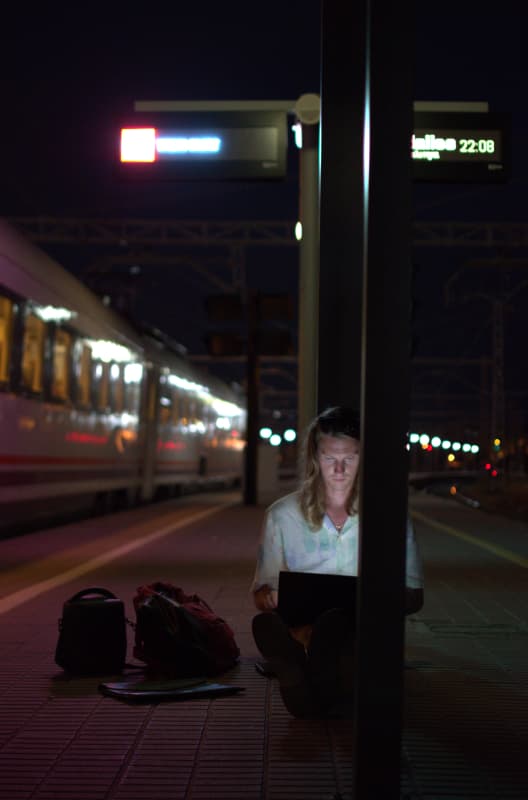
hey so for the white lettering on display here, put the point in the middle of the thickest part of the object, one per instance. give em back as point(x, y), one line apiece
point(432, 142)
point(428, 147)
point(426, 155)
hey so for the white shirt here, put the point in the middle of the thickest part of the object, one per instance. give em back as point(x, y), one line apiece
point(288, 543)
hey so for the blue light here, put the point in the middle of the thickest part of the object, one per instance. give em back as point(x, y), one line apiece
point(188, 145)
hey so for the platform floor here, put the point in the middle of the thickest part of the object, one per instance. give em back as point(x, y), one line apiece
point(466, 678)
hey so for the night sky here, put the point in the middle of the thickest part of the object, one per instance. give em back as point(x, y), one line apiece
point(67, 84)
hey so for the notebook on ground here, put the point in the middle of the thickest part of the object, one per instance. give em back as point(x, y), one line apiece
point(154, 691)
point(305, 595)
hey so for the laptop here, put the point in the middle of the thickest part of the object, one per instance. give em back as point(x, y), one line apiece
point(305, 595)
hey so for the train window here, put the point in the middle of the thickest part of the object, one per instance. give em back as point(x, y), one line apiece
point(206, 416)
point(184, 409)
point(84, 376)
point(61, 365)
point(176, 402)
point(116, 388)
point(100, 385)
point(33, 353)
point(6, 337)
point(165, 409)
point(133, 375)
point(165, 400)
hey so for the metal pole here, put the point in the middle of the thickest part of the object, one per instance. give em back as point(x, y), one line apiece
point(365, 289)
point(250, 484)
point(308, 265)
point(341, 203)
point(386, 341)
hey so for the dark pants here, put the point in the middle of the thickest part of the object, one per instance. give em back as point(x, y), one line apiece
point(317, 682)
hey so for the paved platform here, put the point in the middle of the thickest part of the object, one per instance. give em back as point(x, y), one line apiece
point(466, 710)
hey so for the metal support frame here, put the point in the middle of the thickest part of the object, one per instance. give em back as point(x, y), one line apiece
point(247, 233)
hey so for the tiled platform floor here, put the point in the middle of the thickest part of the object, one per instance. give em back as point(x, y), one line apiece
point(466, 719)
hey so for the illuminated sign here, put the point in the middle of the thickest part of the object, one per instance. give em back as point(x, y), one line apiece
point(460, 147)
point(204, 145)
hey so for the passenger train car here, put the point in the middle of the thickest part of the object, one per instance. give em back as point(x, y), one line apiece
point(94, 412)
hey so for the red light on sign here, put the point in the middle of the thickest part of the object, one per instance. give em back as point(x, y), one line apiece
point(138, 145)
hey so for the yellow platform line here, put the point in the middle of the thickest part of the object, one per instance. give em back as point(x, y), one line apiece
point(502, 552)
point(30, 592)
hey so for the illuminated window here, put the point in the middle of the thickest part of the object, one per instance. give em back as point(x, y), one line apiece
point(176, 404)
point(101, 385)
point(84, 376)
point(184, 409)
point(33, 353)
point(132, 397)
point(60, 378)
point(165, 401)
point(6, 337)
point(165, 410)
point(133, 379)
point(116, 388)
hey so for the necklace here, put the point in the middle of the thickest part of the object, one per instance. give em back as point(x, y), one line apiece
point(336, 526)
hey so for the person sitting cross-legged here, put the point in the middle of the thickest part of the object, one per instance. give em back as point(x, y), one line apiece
point(315, 529)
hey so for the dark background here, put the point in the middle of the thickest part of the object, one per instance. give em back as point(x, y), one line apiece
point(69, 80)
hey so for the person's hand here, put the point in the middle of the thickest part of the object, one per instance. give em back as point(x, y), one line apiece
point(303, 635)
point(265, 599)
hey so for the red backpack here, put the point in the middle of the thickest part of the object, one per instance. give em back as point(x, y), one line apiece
point(179, 634)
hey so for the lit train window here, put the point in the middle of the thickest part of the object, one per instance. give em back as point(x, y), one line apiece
point(133, 376)
point(101, 389)
point(61, 368)
point(33, 353)
point(165, 400)
point(208, 418)
point(165, 409)
point(116, 388)
point(184, 409)
point(176, 403)
point(6, 337)
point(84, 376)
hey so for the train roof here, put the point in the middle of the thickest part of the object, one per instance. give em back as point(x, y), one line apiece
point(165, 352)
point(27, 270)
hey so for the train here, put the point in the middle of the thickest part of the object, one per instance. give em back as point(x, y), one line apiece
point(97, 412)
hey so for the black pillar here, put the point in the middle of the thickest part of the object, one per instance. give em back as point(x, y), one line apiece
point(364, 356)
point(343, 66)
point(386, 343)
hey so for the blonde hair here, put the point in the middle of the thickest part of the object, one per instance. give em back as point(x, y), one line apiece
point(341, 423)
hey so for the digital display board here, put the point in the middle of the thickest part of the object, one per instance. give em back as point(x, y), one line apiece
point(204, 145)
point(460, 147)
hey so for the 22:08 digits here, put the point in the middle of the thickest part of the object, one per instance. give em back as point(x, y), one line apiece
point(476, 145)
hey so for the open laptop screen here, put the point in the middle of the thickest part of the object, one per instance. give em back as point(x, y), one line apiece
point(305, 595)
